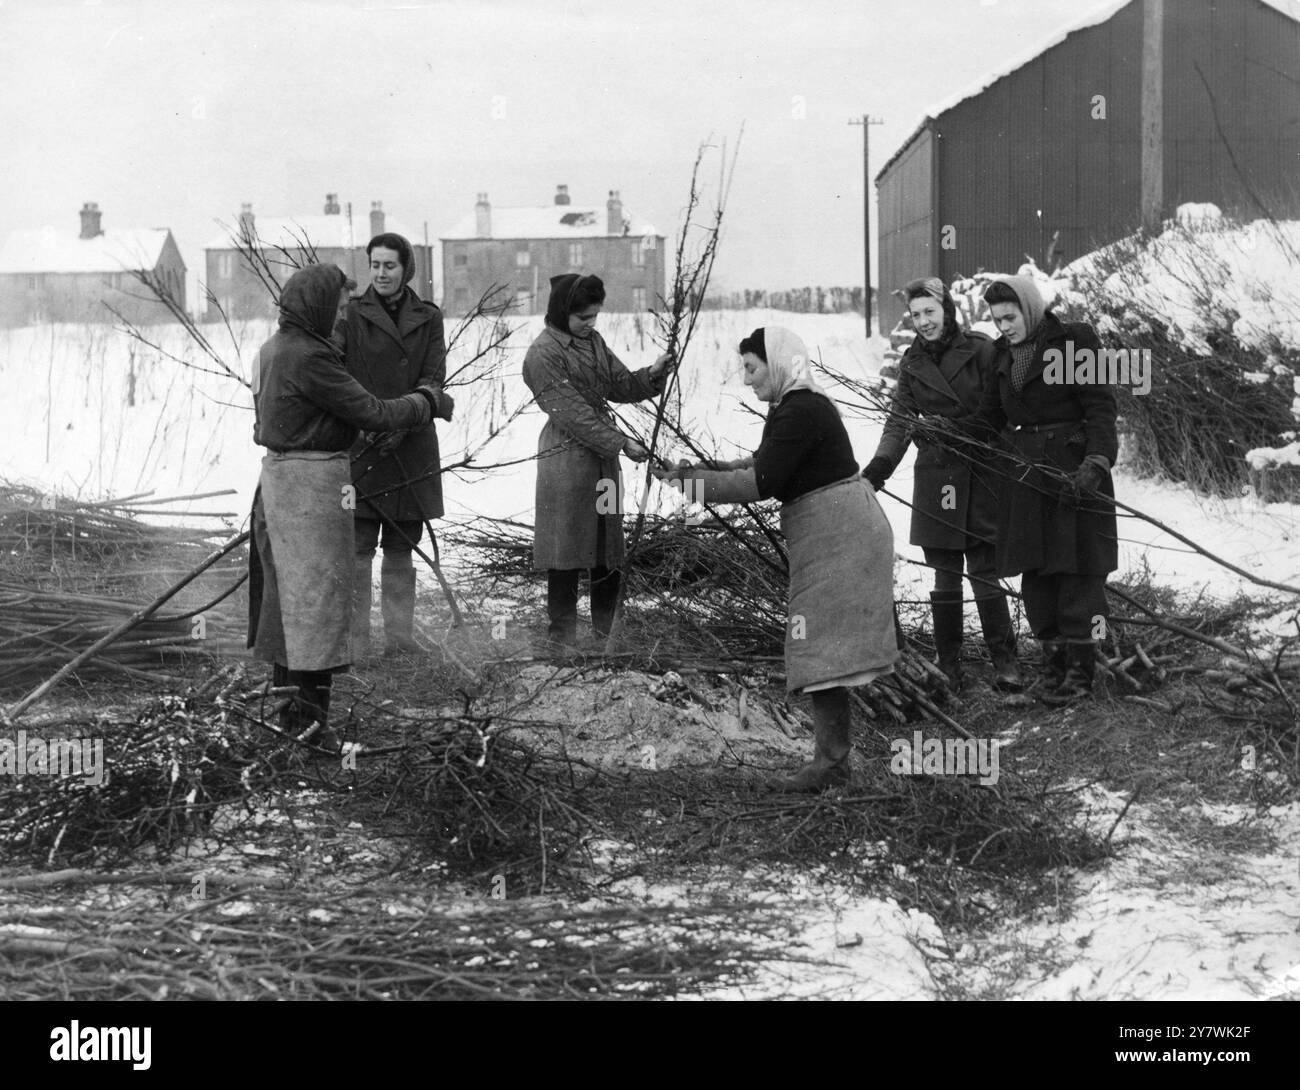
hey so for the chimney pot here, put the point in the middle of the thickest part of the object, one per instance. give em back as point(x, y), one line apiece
point(90, 214)
point(246, 221)
point(483, 217)
point(614, 214)
point(332, 204)
point(376, 218)
point(561, 194)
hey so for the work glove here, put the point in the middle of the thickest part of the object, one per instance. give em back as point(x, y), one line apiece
point(877, 472)
point(441, 401)
point(1088, 477)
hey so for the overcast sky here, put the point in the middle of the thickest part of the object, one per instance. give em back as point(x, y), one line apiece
point(173, 113)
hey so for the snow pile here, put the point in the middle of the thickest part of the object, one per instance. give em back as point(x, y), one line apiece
point(1204, 274)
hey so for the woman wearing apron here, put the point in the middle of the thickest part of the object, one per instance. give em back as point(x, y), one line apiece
point(840, 629)
point(308, 412)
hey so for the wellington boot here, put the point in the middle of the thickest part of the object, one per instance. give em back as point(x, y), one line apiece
point(1000, 639)
point(397, 601)
point(831, 746)
point(1077, 683)
point(1052, 672)
point(946, 608)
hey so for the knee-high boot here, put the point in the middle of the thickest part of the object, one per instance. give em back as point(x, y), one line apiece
point(831, 745)
point(1000, 638)
point(946, 608)
point(397, 601)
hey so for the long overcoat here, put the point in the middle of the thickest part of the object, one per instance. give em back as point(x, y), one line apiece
point(390, 360)
point(954, 494)
point(1042, 527)
point(578, 477)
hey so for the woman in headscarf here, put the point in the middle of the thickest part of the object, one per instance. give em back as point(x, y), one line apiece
point(1056, 521)
point(579, 522)
point(954, 505)
point(308, 411)
point(392, 342)
point(840, 630)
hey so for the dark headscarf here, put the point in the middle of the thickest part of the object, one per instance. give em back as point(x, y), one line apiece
point(570, 293)
point(934, 288)
point(391, 241)
point(310, 299)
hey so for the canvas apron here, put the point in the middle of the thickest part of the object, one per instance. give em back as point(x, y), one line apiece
point(841, 612)
point(302, 560)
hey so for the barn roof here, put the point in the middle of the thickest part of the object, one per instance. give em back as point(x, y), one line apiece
point(562, 221)
point(1093, 16)
point(323, 232)
point(49, 249)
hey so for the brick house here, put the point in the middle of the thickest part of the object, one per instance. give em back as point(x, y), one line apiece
point(334, 236)
point(51, 275)
point(523, 248)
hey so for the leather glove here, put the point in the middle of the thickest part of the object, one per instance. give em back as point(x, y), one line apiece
point(877, 472)
point(440, 401)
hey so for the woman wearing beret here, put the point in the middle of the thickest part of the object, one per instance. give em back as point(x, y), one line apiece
point(954, 499)
point(579, 523)
point(1056, 521)
point(840, 630)
point(392, 341)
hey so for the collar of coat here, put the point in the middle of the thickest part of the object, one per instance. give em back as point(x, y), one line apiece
point(1050, 331)
point(415, 312)
point(568, 340)
point(922, 367)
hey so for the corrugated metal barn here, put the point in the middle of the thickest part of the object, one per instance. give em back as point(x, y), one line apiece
point(1036, 163)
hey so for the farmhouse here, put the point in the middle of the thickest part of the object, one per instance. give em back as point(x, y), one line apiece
point(1139, 107)
point(334, 237)
point(522, 248)
point(53, 275)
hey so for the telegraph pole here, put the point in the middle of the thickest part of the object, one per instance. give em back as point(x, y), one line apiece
point(866, 122)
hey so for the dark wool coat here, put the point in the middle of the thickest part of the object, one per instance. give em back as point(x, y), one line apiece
point(1041, 527)
point(579, 447)
point(390, 360)
point(954, 499)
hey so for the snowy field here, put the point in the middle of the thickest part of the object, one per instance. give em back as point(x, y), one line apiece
point(90, 412)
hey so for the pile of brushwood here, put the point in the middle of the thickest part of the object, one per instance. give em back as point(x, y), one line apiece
point(72, 571)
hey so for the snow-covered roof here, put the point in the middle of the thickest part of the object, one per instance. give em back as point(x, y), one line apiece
point(1092, 16)
point(323, 232)
point(49, 249)
point(548, 221)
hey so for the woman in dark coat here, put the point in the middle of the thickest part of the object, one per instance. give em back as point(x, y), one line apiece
point(579, 511)
point(1056, 521)
point(392, 342)
point(841, 548)
point(954, 503)
point(308, 411)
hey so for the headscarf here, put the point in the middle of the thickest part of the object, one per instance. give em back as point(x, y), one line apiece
point(789, 363)
point(1029, 298)
point(570, 292)
point(310, 299)
point(405, 254)
point(937, 290)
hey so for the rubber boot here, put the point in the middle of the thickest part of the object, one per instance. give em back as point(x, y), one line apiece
point(562, 608)
point(1053, 669)
point(397, 601)
point(604, 597)
point(1080, 666)
point(362, 597)
point(946, 609)
point(289, 718)
point(1000, 639)
point(831, 746)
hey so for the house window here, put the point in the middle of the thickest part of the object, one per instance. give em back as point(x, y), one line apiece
point(459, 257)
point(31, 283)
point(523, 258)
point(523, 302)
point(575, 254)
point(638, 252)
point(638, 300)
point(225, 266)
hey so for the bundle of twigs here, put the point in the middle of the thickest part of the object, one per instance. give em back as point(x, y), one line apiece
point(381, 944)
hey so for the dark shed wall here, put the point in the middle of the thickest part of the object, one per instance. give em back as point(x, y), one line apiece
point(1027, 159)
point(907, 228)
point(1249, 55)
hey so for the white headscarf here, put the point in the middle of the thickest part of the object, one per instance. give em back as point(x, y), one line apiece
point(789, 363)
